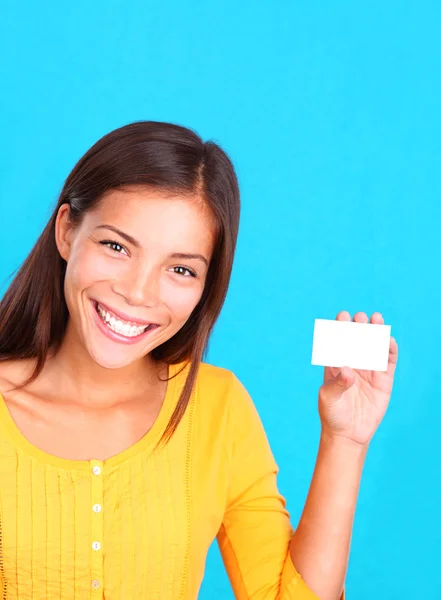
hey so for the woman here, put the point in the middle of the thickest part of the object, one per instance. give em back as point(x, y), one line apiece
point(122, 455)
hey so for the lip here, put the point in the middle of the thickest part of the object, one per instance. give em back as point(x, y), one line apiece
point(116, 337)
point(122, 315)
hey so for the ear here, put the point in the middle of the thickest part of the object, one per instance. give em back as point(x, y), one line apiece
point(63, 231)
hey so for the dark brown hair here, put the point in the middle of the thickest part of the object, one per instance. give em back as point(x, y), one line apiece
point(33, 311)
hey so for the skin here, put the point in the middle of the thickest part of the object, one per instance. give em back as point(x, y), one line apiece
point(352, 403)
point(96, 397)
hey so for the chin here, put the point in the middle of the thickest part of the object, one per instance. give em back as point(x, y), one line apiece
point(110, 359)
point(113, 362)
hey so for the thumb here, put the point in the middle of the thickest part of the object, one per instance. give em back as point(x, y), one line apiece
point(334, 388)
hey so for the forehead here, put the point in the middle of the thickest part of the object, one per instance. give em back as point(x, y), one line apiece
point(157, 217)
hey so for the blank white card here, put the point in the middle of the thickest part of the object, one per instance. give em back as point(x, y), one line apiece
point(351, 344)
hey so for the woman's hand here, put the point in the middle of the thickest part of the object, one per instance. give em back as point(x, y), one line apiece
point(352, 403)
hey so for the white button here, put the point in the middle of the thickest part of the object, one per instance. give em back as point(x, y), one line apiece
point(95, 584)
point(96, 508)
point(96, 545)
point(96, 471)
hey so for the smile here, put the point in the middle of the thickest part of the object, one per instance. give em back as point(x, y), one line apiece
point(128, 329)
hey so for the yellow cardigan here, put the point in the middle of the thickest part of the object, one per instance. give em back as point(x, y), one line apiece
point(139, 525)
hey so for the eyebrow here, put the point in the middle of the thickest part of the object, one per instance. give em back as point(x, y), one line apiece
point(131, 240)
point(126, 236)
point(186, 256)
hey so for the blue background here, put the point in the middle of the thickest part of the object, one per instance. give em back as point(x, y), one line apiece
point(331, 113)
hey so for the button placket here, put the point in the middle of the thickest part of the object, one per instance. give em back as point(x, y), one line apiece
point(96, 514)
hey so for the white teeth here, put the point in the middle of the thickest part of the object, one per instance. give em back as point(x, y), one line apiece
point(121, 327)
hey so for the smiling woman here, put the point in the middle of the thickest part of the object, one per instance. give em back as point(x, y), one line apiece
point(182, 178)
point(122, 454)
point(141, 295)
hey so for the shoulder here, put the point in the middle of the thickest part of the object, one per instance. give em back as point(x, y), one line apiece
point(210, 376)
point(222, 392)
point(228, 412)
point(14, 372)
point(219, 382)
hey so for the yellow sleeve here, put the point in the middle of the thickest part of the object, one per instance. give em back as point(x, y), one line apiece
point(256, 531)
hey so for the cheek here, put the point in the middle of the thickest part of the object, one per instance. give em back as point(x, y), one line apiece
point(181, 299)
point(86, 267)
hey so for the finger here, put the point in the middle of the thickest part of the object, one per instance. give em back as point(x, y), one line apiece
point(343, 316)
point(361, 317)
point(332, 389)
point(346, 374)
point(377, 318)
point(393, 351)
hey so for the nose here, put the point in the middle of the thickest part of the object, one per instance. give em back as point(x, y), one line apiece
point(140, 287)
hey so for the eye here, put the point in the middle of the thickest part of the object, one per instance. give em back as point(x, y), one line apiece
point(184, 271)
point(113, 246)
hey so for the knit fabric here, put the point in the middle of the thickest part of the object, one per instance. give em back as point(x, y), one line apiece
point(139, 525)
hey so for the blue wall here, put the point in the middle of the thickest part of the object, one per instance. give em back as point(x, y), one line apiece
point(331, 112)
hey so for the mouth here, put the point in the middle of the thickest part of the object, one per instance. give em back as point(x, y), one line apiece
point(119, 326)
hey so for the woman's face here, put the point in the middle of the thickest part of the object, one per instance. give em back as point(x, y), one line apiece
point(136, 268)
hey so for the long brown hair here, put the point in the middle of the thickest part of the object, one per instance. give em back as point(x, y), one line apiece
point(33, 311)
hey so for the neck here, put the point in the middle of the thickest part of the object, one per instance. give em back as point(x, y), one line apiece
point(79, 376)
